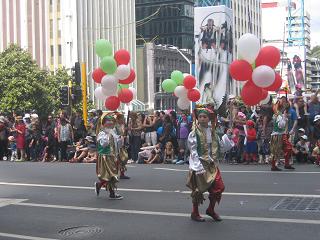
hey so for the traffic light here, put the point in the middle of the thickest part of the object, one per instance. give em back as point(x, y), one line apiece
point(64, 95)
point(76, 94)
point(76, 74)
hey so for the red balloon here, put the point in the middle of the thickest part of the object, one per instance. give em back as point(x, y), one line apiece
point(130, 79)
point(269, 56)
point(125, 95)
point(276, 84)
point(189, 82)
point(264, 94)
point(122, 57)
point(193, 95)
point(97, 75)
point(251, 94)
point(240, 70)
point(112, 103)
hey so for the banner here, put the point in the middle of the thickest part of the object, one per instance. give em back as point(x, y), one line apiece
point(213, 32)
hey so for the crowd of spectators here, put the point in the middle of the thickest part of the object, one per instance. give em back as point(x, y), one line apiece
point(161, 136)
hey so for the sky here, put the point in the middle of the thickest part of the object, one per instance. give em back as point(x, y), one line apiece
point(313, 6)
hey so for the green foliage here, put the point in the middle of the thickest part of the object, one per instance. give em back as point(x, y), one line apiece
point(315, 52)
point(25, 87)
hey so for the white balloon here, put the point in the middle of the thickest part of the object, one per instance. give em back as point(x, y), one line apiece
point(181, 92)
point(248, 47)
point(122, 72)
point(109, 81)
point(110, 91)
point(99, 94)
point(266, 100)
point(263, 76)
point(134, 91)
point(183, 103)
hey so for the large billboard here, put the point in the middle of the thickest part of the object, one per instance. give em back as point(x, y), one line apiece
point(213, 32)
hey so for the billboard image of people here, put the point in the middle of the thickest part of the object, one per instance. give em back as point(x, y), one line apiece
point(213, 52)
point(296, 67)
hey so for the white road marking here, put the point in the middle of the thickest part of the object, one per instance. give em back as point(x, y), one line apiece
point(162, 191)
point(240, 171)
point(6, 201)
point(23, 237)
point(153, 213)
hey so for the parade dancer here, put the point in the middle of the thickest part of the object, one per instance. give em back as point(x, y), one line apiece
point(123, 153)
point(204, 174)
point(280, 140)
point(107, 169)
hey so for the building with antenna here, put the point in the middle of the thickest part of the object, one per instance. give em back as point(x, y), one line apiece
point(286, 25)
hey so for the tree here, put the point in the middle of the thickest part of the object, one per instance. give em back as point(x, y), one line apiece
point(25, 87)
point(315, 52)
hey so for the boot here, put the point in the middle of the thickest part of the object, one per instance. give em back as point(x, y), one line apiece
point(195, 216)
point(122, 176)
point(273, 166)
point(260, 159)
point(267, 159)
point(210, 210)
point(287, 162)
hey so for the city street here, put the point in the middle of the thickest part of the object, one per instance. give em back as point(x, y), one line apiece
point(57, 201)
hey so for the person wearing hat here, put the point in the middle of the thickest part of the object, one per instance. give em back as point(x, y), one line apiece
point(107, 146)
point(120, 128)
point(20, 129)
point(280, 140)
point(204, 174)
point(301, 149)
point(82, 150)
point(251, 144)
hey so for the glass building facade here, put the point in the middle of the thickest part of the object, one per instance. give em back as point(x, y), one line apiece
point(165, 22)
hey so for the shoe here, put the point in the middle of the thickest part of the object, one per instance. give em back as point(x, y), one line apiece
point(115, 197)
point(197, 218)
point(97, 188)
point(124, 177)
point(180, 162)
point(214, 216)
point(289, 167)
point(276, 169)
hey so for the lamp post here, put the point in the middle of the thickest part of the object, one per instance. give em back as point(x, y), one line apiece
point(184, 56)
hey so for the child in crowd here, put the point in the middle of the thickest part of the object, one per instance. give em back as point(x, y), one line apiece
point(316, 154)
point(235, 149)
point(168, 153)
point(12, 148)
point(227, 144)
point(145, 153)
point(251, 144)
point(301, 149)
point(155, 156)
point(92, 154)
point(181, 157)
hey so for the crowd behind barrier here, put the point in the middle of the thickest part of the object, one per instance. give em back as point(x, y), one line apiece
point(162, 136)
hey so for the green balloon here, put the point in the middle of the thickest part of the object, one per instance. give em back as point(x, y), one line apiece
point(177, 76)
point(169, 85)
point(108, 65)
point(253, 65)
point(103, 48)
point(121, 86)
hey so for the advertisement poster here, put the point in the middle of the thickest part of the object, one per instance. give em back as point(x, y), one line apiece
point(213, 52)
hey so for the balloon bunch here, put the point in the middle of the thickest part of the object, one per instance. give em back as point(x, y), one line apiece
point(183, 87)
point(256, 67)
point(114, 75)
